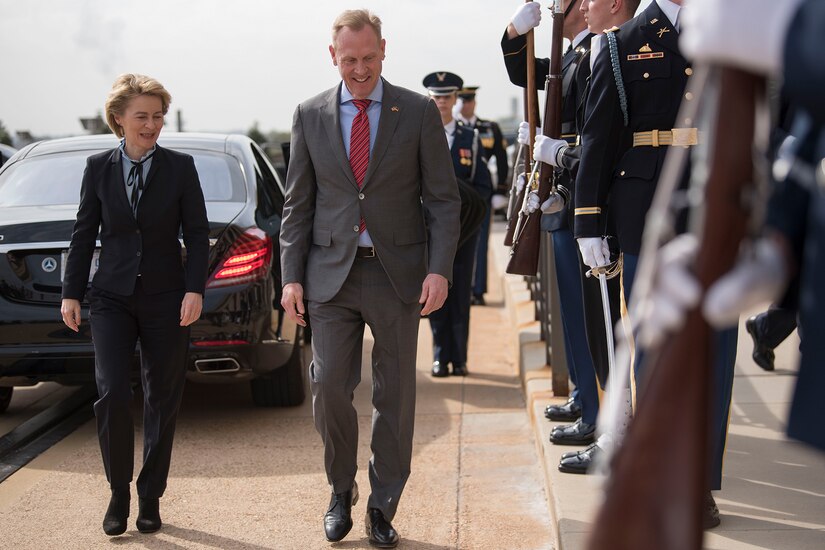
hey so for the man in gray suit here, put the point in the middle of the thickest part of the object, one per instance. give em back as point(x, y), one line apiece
point(370, 227)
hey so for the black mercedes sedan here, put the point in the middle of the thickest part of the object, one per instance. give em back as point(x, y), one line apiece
point(242, 334)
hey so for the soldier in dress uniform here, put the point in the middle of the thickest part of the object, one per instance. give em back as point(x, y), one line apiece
point(599, 15)
point(451, 324)
point(637, 85)
point(780, 39)
point(581, 316)
point(493, 147)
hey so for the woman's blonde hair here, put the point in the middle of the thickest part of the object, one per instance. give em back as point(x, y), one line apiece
point(356, 20)
point(127, 87)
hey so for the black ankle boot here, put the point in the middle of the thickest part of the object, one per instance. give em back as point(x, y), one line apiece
point(148, 520)
point(114, 522)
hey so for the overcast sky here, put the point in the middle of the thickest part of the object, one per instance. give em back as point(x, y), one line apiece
point(230, 64)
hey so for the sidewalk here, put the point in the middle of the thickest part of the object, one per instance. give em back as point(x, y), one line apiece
point(773, 489)
point(247, 478)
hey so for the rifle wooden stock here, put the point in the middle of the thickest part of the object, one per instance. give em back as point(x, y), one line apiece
point(524, 254)
point(531, 105)
point(660, 475)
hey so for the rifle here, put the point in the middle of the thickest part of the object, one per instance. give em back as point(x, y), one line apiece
point(524, 254)
point(655, 501)
point(531, 101)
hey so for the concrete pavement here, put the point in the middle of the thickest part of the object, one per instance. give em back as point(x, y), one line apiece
point(773, 489)
point(251, 478)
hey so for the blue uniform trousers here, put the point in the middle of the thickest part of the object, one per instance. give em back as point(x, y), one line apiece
point(579, 362)
point(480, 275)
point(724, 363)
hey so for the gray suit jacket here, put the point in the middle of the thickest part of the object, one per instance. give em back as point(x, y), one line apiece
point(409, 198)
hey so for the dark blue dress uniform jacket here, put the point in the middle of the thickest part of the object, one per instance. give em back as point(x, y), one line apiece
point(576, 72)
point(655, 74)
point(799, 212)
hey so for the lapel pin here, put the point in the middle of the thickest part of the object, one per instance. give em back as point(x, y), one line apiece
point(654, 21)
point(394, 109)
point(662, 31)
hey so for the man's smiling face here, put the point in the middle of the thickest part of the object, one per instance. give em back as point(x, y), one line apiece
point(359, 56)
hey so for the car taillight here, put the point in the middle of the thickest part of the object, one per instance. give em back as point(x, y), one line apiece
point(247, 260)
point(211, 343)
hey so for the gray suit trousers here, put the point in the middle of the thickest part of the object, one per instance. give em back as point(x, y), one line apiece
point(367, 297)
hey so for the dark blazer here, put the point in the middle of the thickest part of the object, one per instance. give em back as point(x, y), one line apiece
point(654, 73)
point(575, 68)
point(172, 200)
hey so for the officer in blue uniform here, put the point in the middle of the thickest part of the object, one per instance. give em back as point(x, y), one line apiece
point(580, 298)
point(451, 323)
point(637, 85)
point(493, 147)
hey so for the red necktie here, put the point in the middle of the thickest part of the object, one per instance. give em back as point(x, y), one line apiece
point(359, 144)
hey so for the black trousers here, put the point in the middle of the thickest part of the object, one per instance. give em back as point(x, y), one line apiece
point(451, 323)
point(118, 322)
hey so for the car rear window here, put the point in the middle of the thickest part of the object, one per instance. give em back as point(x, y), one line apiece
point(55, 179)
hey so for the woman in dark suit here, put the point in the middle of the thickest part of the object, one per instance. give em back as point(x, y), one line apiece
point(138, 196)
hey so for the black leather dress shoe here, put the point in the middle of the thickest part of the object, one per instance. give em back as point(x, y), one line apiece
point(148, 520)
point(459, 369)
point(577, 433)
point(762, 354)
point(440, 370)
point(379, 530)
point(114, 522)
point(477, 300)
point(710, 513)
point(338, 519)
point(568, 412)
point(579, 463)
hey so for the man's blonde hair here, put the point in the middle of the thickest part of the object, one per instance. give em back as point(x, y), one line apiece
point(356, 20)
point(127, 87)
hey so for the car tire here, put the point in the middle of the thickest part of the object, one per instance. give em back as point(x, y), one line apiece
point(5, 397)
point(283, 387)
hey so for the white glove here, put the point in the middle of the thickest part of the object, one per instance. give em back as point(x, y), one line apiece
point(532, 202)
point(746, 33)
point(553, 204)
point(524, 133)
point(547, 149)
point(594, 250)
point(459, 104)
point(760, 276)
point(675, 291)
point(526, 17)
point(497, 202)
point(520, 180)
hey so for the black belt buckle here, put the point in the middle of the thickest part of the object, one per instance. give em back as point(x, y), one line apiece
point(365, 252)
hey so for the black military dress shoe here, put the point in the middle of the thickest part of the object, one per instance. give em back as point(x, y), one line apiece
point(379, 530)
point(568, 412)
point(148, 520)
point(577, 433)
point(762, 354)
point(579, 463)
point(440, 370)
point(710, 513)
point(114, 522)
point(460, 369)
point(477, 300)
point(338, 519)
